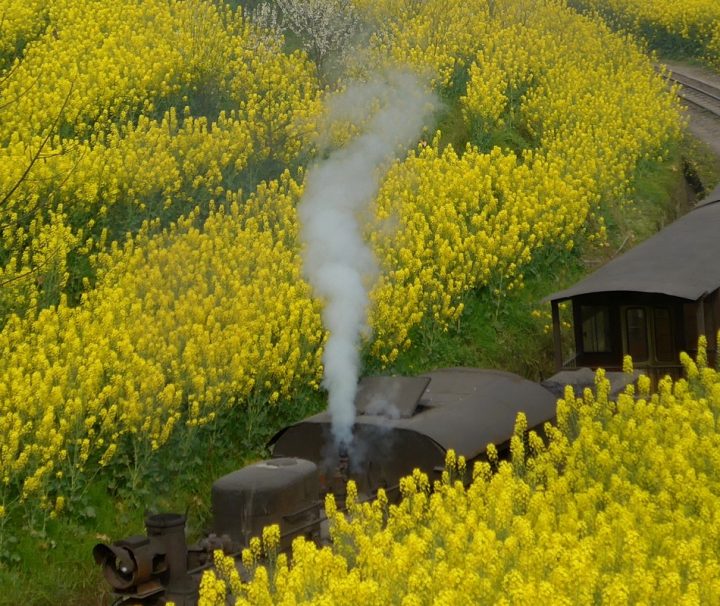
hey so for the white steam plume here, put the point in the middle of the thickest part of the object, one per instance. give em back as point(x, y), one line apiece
point(337, 262)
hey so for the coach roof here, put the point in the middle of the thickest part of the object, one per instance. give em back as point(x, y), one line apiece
point(680, 260)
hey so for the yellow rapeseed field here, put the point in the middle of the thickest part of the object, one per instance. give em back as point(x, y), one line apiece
point(691, 26)
point(147, 127)
point(620, 506)
point(112, 138)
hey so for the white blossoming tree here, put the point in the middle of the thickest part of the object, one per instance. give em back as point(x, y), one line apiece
point(324, 27)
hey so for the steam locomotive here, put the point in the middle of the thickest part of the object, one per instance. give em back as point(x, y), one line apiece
point(402, 423)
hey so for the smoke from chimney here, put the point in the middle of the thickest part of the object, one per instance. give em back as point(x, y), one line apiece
point(337, 262)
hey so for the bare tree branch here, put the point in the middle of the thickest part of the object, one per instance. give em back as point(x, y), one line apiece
point(35, 269)
point(35, 158)
point(32, 209)
point(21, 94)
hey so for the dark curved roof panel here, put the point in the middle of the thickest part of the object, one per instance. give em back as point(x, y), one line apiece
point(460, 408)
point(682, 260)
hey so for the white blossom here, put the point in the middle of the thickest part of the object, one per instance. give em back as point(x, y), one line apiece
point(324, 26)
point(268, 20)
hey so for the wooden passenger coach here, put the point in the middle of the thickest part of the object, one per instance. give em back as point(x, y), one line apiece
point(651, 303)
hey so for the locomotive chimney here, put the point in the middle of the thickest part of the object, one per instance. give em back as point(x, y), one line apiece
point(168, 529)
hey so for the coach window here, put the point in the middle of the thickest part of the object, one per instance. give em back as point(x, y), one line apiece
point(595, 329)
point(637, 337)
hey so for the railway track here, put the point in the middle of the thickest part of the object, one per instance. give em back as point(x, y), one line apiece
point(698, 93)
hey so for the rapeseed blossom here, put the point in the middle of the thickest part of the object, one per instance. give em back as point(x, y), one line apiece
point(120, 139)
point(619, 505)
point(147, 172)
point(691, 27)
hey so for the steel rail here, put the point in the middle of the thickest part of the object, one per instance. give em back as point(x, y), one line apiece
point(709, 95)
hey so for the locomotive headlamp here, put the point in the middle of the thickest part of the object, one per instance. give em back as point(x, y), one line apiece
point(142, 566)
point(118, 562)
point(131, 563)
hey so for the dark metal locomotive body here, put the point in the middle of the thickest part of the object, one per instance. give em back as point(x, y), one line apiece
point(402, 423)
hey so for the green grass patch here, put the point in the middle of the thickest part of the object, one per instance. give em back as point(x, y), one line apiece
point(510, 332)
point(663, 192)
point(700, 165)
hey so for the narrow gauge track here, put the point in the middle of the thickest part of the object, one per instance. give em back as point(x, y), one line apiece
point(698, 93)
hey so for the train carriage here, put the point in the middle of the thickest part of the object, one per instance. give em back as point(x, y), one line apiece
point(650, 303)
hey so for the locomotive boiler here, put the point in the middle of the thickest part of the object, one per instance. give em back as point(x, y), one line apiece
point(402, 423)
